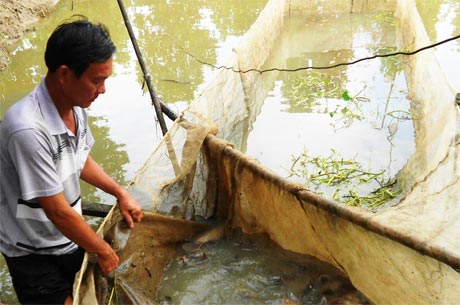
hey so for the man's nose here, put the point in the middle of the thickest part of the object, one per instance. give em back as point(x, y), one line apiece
point(101, 88)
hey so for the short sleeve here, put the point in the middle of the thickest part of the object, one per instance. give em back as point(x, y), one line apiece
point(31, 154)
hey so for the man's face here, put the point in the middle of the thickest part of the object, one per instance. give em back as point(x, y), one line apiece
point(84, 90)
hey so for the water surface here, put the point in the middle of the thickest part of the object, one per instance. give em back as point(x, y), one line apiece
point(244, 270)
point(442, 21)
point(358, 112)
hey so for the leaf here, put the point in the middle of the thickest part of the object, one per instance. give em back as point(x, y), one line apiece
point(346, 96)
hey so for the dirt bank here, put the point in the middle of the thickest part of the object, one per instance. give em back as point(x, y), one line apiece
point(16, 18)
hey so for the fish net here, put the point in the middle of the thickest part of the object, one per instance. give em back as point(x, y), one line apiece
point(405, 253)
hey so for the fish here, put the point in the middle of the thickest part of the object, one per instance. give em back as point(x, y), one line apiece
point(217, 232)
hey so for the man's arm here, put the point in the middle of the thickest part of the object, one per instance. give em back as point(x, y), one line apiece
point(95, 175)
point(75, 228)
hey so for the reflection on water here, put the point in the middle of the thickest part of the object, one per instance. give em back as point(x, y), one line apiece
point(354, 110)
point(442, 21)
point(165, 30)
point(7, 294)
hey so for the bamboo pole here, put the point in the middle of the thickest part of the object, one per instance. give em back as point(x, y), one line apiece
point(95, 209)
point(160, 107)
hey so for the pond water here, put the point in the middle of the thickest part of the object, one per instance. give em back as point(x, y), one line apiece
point(352, 120)
point(357, 115)
point(123, 120)
point(251, 270)
point(442, 21)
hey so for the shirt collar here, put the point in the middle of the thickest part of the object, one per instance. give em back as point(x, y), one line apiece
point(49, 111)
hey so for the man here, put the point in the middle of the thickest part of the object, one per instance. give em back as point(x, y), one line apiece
point(44, 149)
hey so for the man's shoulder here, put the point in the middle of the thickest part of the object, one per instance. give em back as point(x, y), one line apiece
point(21, 115)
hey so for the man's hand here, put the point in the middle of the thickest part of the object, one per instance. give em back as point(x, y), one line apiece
point(130, 209)
point(95, 175)
point(75, 228)
point(108, 260)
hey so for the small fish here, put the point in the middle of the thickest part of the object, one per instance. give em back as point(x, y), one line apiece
point(290, 302)
point(166, 300)
point(215, 233)
point(193, 259)
point(245, 293)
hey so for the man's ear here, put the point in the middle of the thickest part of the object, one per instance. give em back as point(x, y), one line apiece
point(64, 74)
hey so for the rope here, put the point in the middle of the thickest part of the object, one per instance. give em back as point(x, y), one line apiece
point(323, 67)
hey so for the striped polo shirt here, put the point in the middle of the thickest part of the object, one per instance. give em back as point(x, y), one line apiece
point(39, 157)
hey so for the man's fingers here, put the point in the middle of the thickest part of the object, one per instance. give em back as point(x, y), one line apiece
point(108, 264)
point(129, 219)
point(137, 215)
point(111, 274)
point(132, 212)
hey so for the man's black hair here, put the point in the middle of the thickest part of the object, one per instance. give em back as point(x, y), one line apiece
point(77, 44)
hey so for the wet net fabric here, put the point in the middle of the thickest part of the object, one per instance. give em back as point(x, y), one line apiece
point(144, 253)
point(406, 253)
point(164, 185)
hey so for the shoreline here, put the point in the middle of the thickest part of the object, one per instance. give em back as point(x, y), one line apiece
point(18, 17)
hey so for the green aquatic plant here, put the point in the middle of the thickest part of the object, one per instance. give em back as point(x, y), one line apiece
point(404, 115)
point(113, 299)
point(320, 93)
point(386, 17)
point(307, 91)
point(344, 179)
point(351, 110)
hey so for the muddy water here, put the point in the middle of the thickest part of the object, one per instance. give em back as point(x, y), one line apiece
point(123, 119)
point(251, 270)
